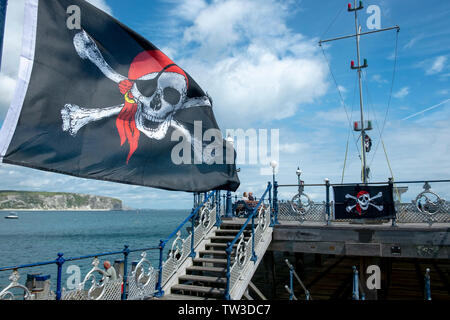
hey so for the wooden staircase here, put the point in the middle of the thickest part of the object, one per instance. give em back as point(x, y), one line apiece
point(206, 278)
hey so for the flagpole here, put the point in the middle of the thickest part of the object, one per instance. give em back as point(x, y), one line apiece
point(359, 67)
point(3, 5)
point(361, 103)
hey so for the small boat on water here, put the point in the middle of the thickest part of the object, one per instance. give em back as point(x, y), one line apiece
point(12, 215)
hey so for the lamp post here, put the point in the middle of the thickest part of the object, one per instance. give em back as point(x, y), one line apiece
point(229, 203)
point(274, 165)
point(300, 185)
point(327, 203)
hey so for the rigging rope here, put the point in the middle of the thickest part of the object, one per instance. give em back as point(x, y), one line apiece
point(390, 95)
point(342, 99)
point(350, 130)
point(334, 20)
point(370, 107)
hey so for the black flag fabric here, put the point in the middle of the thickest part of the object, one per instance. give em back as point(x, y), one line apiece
point(364, 202)
point(96, 100)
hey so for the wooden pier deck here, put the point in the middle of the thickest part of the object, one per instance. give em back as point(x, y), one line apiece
point(325, 254)
point(330, 277)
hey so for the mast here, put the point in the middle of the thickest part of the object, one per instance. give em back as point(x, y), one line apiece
point(359, 67)
point(361, 102)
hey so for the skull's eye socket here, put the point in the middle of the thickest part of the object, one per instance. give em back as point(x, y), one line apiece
point(147, 87)
point(171, 95)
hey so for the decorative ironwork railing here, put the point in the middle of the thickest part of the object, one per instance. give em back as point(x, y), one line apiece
point(239, 262)
point(96, 285)
point(426, 207)
point(141, 282)
point(202, 220)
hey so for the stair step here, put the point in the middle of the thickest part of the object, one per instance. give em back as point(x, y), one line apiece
point(191, 277)
point(207, 269)
point(210, 260)
point(213, 252)
point(219, 245)
point(231, 231)
point(227, 238)
point(183, 297)
point(199, 289)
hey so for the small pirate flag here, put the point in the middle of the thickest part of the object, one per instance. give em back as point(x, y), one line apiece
point(363, 202)
point(367, 143)
point(96, 100)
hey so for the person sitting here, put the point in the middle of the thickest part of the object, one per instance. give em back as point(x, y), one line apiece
point(110, 271)
point(245, 197)
point(250, 196)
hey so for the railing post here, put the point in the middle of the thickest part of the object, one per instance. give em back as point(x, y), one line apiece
point(275, 202)
point(291, 283)
point(59, 261)
point(254, 257)
point(229, 208)
point(158, 288)
point(355, 295)
point(192, 255)
point(394, 218)
point(327, 204)
point(126, 252)
point(228, 274)
point(271, 204)
point(218, 204)
point(427, 285)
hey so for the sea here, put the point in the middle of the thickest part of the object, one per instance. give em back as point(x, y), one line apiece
point(38, 236)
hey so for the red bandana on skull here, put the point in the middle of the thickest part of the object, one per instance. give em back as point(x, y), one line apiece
point(145, 63)
point(359, 195)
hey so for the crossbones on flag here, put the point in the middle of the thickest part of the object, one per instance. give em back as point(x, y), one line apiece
point(363, 202)
point(97, 100)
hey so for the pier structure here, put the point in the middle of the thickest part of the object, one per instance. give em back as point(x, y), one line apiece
point(212, 255)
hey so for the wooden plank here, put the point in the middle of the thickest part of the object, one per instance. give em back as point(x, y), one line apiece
point(191, 277)
point(210, 260)
point(205, 290)
point(366, 233)
point(206, 269)
point(363, 249)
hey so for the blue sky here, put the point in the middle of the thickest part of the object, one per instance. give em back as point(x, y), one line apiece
point(260, 62)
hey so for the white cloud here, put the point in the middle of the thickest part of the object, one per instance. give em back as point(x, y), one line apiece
point(437, 66)
point(403, 92)
point(378, 78)
point(413, 41)
point(249, 61)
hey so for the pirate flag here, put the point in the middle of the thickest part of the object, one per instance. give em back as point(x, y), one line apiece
point(363, 202)
point(96, 100)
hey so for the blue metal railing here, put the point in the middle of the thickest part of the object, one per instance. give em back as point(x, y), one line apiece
point(357, 293)
point(290, 288)
point(60, 260)
point(192, 217)
point(427, 287)
point(230, 245)
point(441, 205)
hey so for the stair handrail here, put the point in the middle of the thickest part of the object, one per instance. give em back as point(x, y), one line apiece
point(357, 291)
point(290, 289)
point(230, 245)
point(162, 243)
point(427, 286)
